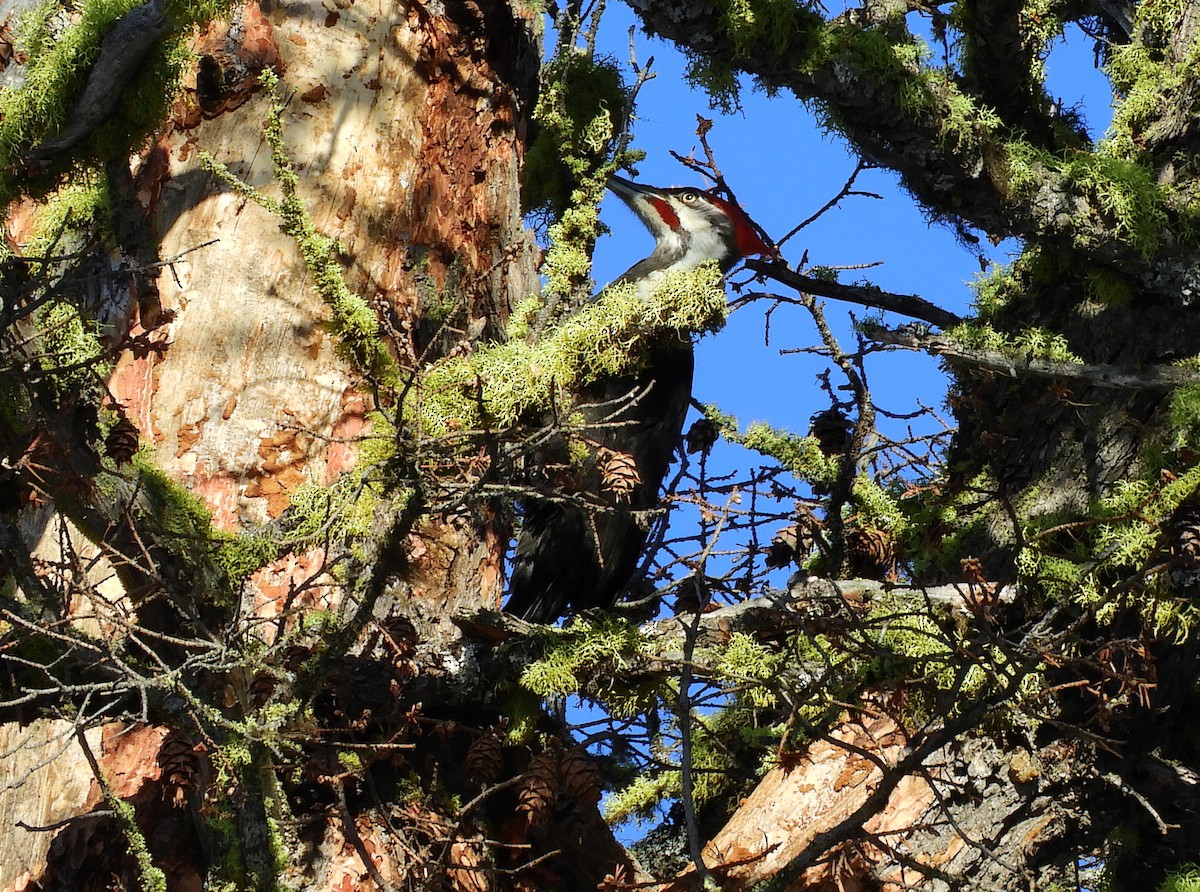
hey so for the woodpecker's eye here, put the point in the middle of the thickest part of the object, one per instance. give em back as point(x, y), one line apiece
point(689, 197)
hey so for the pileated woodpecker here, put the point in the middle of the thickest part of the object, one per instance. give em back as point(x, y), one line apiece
point(570, 557)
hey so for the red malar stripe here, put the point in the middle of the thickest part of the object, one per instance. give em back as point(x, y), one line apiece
point(666, 212)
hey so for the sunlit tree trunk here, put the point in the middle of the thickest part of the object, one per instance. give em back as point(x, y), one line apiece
point(406, 126)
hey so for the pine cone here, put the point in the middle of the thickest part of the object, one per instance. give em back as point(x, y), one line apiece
point(581, 778)
point(701, 436)
point(122, 441)
point(619, 475)
point(832, 430)
point(972, 570)
point(180, 766)
point(870, 551)
point(792, 543)
point(540, 787)
point(485, 760)
point(1185, 536)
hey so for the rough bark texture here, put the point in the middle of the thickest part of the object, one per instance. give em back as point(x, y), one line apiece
point(412, 167)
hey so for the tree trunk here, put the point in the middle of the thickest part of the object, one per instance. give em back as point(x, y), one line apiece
point(406, 126)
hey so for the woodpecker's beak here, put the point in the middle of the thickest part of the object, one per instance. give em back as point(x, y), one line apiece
point(628, 190)
point(647, 202)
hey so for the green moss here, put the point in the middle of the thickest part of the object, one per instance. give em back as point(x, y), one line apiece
point(914, 641)
point(81, 206)
point(900, 66)
point(745, 662)
point(1126, 192)
point(583, 103)
point(523, 316)
point(1026, 343)
point(523, 709)
point(584, 657)
point(70, 345)
point(1185, 415)
point(718, 768)
point(1109, 287)
point(238, 555)
point(58, 67)
point(218, 562)
point(716, 78)
point(802, 456)
point(152, 878)
point(756, 27)
point(964, 125)
point(876, 507)
point(1040, 23)
point(1185, 879)
point(1115, 541)
point(940, 529)
point(641, 798)
point(56, 73)
point(1142, 80)
point(342, 511)
point(567, 265)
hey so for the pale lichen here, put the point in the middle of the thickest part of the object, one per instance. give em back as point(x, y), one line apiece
point(498, 385)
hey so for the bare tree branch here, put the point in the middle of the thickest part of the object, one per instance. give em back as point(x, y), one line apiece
point(864, 295)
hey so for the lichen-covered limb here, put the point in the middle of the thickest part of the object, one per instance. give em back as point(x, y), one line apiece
point(953, 151)
point(499, 385)
point(121, 54)
point(1156, 378)
point(765, 617)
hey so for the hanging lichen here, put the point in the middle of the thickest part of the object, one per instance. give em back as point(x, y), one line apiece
point(583, 103)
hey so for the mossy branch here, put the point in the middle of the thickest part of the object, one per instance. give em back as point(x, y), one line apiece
point(152, 879)
point(802, 456)
point(97, 87)
point(1107, 563)
point(500, 385)
point(1038, 353)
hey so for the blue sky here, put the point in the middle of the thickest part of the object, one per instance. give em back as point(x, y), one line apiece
point(783, 168)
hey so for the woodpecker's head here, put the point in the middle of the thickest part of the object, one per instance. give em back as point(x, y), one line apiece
point(689, 227)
